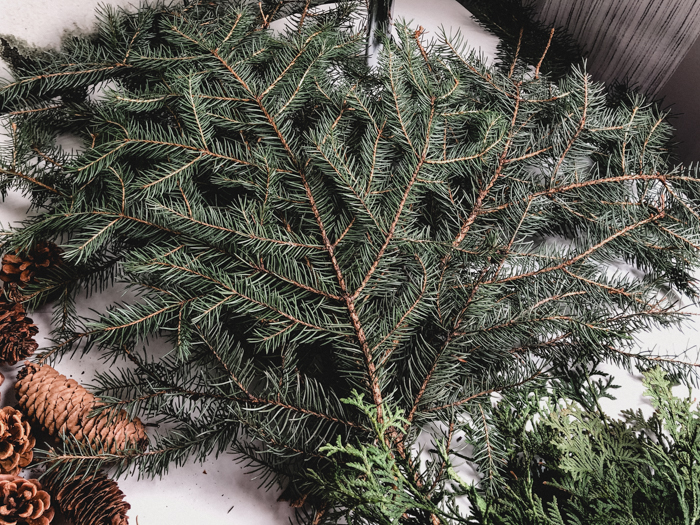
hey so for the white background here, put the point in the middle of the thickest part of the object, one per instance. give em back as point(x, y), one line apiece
point(221, 491)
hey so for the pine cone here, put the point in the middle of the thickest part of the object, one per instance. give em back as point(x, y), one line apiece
point(25, 267)
point(16, 441)
point(95, 500)
point(24, 503)
point(61, 405)
point(16, 332)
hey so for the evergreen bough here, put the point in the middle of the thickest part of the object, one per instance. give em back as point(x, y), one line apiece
point(566, 463)
point(576, 465)
point(302, 229)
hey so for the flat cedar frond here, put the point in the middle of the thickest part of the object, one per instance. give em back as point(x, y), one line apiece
point(427, 233)
point(576, 465)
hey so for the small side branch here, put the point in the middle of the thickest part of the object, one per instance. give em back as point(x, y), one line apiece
point(549, 43)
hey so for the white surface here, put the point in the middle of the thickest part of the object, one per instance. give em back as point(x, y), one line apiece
point(226, 493)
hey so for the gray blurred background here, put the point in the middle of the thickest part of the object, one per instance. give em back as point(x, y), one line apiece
point(652, 44)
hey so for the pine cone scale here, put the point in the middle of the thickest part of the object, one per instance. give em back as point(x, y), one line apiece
point(11, 259)
point(10, 269)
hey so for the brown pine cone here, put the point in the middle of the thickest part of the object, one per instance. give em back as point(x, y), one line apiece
point(24, 503)
point(26, 267)
point(17, 332)
point(95, 500)
point(60, 405)
point(16, 441)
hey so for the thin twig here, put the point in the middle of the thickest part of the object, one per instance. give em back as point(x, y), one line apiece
point(539, 64)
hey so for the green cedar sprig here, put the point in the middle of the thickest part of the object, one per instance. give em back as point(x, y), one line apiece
point(579, 466)
point(565, 465)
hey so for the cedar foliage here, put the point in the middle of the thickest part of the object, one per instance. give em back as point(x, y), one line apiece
point(299, 227)
point(566, 463)
point(577, 465)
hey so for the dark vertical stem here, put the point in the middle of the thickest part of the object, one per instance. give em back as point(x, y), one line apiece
point(378, 23)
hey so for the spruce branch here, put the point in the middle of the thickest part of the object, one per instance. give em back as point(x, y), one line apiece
point(299, 226)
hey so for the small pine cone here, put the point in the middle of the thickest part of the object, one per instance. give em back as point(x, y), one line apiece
point(26, 267)
point(60, 405)
point(16, 441)
point(24, 503)
point(17, 332)
point(95, 500)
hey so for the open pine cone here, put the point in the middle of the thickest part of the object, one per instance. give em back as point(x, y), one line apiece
point(25, 267)
point(60, 405)
point(16, 441)
point(17, 332)
point(95, 500)
point(24, 503)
